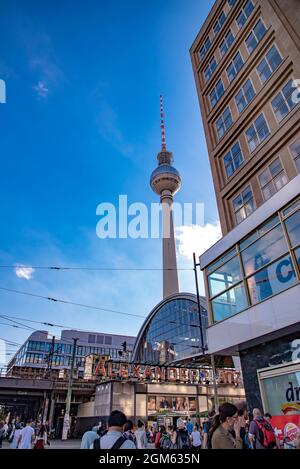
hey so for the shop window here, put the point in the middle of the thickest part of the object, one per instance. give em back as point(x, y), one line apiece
point(273, 279)
point(272, 179)
point(225, 276)
point(293, 228)
point(229, 303)
point(266, 249)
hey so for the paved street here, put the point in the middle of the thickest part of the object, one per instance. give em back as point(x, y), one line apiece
point(55, 444)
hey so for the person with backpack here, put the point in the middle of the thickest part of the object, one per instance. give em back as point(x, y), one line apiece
point(222, 428)
point(261, 432)
point(114, 438)
point(206, 444)
point(181, 439)
point(128, 432)
point(141, 436)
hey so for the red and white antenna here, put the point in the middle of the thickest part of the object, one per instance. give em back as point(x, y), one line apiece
point(162, 126)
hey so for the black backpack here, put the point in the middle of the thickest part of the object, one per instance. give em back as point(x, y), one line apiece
point(182, 440)
point(117, 444)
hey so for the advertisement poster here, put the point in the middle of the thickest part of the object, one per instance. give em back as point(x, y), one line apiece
point(287, 428)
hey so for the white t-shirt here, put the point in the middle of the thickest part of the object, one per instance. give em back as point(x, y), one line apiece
point(196, 438)
point(26, 437)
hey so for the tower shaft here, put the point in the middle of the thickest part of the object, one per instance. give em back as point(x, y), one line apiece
point(170, 274)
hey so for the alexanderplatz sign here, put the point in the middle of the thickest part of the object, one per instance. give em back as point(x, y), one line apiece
point(119, 371)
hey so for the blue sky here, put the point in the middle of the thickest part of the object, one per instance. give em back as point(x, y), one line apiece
point(81, 126)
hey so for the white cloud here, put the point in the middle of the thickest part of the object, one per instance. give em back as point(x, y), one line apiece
point(197, 239)
point(41, 89)
point(24, 272)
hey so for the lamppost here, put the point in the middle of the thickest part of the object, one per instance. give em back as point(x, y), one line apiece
point(66, 425)
point(203, 346)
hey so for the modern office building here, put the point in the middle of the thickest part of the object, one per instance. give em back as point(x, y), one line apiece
point(246, 59)
point(39, 352)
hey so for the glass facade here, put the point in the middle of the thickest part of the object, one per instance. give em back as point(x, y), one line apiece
point(263, 264)
point(36, 352)
point(172, 334)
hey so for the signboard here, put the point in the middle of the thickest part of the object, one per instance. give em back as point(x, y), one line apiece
point(109, 370)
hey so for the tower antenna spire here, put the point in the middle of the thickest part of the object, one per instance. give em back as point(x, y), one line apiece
point(162, 126)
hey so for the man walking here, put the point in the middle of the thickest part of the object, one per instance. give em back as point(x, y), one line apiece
point(27, 436)
point(114, 438)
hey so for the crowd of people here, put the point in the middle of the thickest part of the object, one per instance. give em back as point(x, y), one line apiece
point(28, 435)
point(230, 428)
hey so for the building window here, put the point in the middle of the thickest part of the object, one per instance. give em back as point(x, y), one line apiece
point(244, 96)
point(224, 123)
point(233, 159)
point(243, 205)
point(245, 13)
point(226, 43)
point(92, 338)
point(216, 93)
point(269, 64)
point(295, 150)
point(257, 133)
point(205, 48)
point(255, 36)
point(108, 340)
point(99, 339)
point(234, 66)
point(211, 67)
point(218, 25)
point(272, 179)
point(231, 3)
point(283, 103)
point(293, 228)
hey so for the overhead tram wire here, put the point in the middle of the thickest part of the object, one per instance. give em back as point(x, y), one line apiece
point(138, 269)
point(59, 300)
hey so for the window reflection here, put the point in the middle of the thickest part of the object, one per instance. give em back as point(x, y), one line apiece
point(274, 279)
point(225, 276)
point(293, 227)
point(173, 333)
point(266, 249)
point(229, 303)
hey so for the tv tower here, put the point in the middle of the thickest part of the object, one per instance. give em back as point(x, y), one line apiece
point(165, 181)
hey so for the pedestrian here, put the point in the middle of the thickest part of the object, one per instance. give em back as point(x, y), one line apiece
point(41, 438)
point(128, 432)
point(141, 436)
point(2, 433)
point(163, 440)
point(223, 425)
point(14, 437)
point(181, 438)
point(243, 424)
point(206, 444)
point(196, 438)
point(114, 438)
point(26, 437)
point(189, 427)
point(261, 432)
